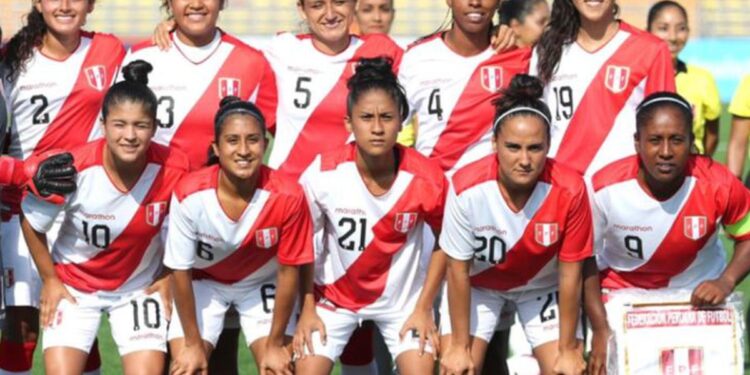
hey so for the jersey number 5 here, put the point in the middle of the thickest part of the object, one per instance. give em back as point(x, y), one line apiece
point(306, 94)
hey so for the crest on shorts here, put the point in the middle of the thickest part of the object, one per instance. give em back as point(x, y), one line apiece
point(96, 76)
point(266, 238)
point(405, 221)
point(155, 212)
point(616, 79)
point(546, 234)
point(492, 78)
point(229, 87)
point(695, 227)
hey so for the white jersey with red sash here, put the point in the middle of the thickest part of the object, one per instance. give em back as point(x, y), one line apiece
point(593, 96)
point(312, 95)
point(189, 83)
point(369, 252)
point(516, 251)
point(110, 240)
point(452, 96)
point(646, 243)
point(275, 228)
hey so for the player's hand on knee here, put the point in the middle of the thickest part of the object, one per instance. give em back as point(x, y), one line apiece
point(276, 361)
point(309, 322)
point(569, 362)
point(598, 356)
point(53, 291)
point(456, 361)
point(190, 361)
point(711, 292)
point(162, 285)
point(161, 34)
point(422, 324)
point(503, 39)
point(50, 175)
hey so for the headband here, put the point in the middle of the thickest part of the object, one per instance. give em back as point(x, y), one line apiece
point(664, 99)
point(516, 110)
point(240, 107)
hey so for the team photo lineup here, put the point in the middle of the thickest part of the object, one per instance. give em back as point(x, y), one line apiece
point(352, 205)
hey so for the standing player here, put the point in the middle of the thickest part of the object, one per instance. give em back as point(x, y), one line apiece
point(370, 200)
point(374, 16)
point(512, 218)
point(249, 223)
point(527, 19)
point(657, 213)
point(669, 21)
point(596, 70)
point(56, 76)
point(738, 138)
point(453, 110)
point(108, 255)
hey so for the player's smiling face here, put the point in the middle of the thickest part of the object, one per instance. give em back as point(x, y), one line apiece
point(473, 16)
point(671, 26)
point(128, 130)
point(375, 16)
point(64, 18)
point(375, 122)
point(196, 20)
point(240, 146)
point(663, 145)
point(595, 10)
point(521, 145)
point(329, 22)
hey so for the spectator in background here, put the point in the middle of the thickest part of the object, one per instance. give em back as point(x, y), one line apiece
point(669, 21)
point(740, 110)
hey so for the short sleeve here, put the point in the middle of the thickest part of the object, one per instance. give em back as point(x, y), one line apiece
point(661, 73)
point(712, 101)
point(39, 213)
point(456, 238)
point(740, 105)
point(179, 252)
point(295, 242)
point(577, 235)
point(736, 218)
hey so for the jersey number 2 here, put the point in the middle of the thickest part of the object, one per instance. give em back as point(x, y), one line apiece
point(40, 116)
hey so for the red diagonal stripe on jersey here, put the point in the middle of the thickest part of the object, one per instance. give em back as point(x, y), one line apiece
point(674, 255)
point(596, 113)
point(196, 131)
point(73, 123)
point(366, 278)
point(472, 116)
point(324, 129)
point(111, 267)
point(526, 258)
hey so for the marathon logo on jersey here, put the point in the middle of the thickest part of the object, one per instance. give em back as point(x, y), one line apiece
point(155, 212)
point(617, 78)
point(405, 221)
point(546, 234)
point(492, 78)
point(96, 76)
point(266, 238)
point(695, 227)
point(682, 361)
point(229, 87)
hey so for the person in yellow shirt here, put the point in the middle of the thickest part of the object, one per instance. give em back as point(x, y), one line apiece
point(668, 20)
point(738, 136)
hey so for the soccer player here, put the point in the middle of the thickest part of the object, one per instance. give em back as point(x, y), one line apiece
point(517, 228)
point(669, 21)
point(370, 200)
point(527, 19)
point(596, 70)
point(453, 110)
point(107, 257)
point(55, 77)
point(248, 224)
point(658, 213)
point(219, 65)
point(374, 16)
point(740, 110)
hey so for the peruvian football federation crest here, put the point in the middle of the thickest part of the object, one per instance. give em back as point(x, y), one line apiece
point(695, 227)
point(492, 78)
point(616, 79)
point(155, 212)
point(405, 221)
point(546, 234)
point(96, 76)
point(266, 238)
point(229, 87)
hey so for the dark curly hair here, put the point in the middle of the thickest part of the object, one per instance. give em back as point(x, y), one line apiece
point(21, 46)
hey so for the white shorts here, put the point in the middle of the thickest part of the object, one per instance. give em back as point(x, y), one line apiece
point(137, 320)
point(537, 310)
point(213, 299)
point(22, 281)
point(340, 324)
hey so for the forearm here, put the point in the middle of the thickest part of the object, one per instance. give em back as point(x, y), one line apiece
point(711, 137)
point(307, 295)
point(286, 287)
point(569, 302)
point(435, 276)
point(185, 302)
point(592, 296)
point(739, 266)
point(459, 299)
point(37, 244)
point(737, 149)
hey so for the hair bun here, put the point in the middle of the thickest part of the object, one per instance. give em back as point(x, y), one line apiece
point(227, 100)
point(372, 69)
point(137, 71)
point(524, 86)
